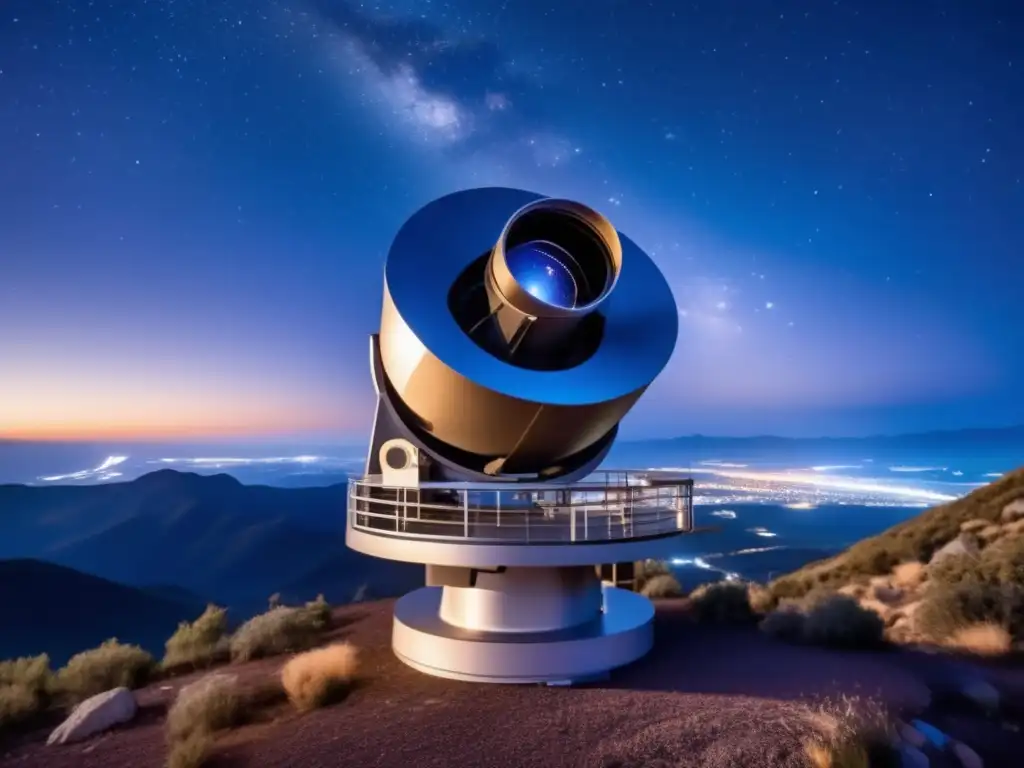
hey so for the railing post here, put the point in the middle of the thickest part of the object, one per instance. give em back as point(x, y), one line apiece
point(465, 514)
point(497, 506)
point(572, 523)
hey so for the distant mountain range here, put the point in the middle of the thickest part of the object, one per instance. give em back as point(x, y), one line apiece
point(208, 536)
point(975, 436)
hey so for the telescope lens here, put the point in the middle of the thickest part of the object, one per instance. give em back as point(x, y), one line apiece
point(545, 271)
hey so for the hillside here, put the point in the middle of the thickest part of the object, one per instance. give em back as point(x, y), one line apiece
point(982, 512)
point(211, 535)
point(51, 608)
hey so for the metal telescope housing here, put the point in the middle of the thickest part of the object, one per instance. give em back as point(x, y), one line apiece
point(516, 332)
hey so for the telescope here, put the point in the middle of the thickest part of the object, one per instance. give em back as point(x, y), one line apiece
point(516, 332)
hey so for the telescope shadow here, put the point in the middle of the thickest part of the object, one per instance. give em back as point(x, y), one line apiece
point(693, 658)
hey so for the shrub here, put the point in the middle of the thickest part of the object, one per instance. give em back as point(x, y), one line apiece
point(785, 623)
point(722, 602)
point(316, 678)
point(761, 598)
point(319, 612)
point(909, 575)
point(851, 735)
point(277, 631)
point(982, 639)
point(191, 752)
point(662, 585)
point(839, 621)
point(199, 643)
point(111, 665)
point(26, 685)
point(947, 608)
point(200, 709)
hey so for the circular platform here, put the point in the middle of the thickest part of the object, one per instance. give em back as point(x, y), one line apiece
point(621, 634)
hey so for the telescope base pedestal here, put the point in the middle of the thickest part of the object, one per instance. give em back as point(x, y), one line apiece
point(621, 633)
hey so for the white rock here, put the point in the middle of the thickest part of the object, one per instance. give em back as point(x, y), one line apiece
point(968, 757)
point(981, 693)
point(94, 715)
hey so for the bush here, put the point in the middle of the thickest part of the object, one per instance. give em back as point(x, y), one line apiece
point(982, 640)
point(111, 665)
point(319, 611)
point(852, 735)
point(26, 685)
point(839, 621)
point(723, 602)
point(200, 709)
point(199, 643)
point(277, 631)
point(662, 585)
point(785, 623)
point(947, 608)
point(319, 677)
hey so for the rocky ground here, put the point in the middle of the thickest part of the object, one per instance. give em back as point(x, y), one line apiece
point(706, 696)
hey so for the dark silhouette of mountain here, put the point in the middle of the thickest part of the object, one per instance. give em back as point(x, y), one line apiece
point(60, 611)
point(209, 534)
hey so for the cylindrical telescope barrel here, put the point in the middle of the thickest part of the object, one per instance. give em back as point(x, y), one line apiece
point(554, 263)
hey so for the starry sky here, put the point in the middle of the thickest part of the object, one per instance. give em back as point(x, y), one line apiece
point(197, 198)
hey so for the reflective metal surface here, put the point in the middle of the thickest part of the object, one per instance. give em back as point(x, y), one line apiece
point(613, 506)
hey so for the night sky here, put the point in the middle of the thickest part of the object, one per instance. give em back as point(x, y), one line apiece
point(196, 200)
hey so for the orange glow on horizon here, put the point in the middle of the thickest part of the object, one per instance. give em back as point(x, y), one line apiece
point(176, 432)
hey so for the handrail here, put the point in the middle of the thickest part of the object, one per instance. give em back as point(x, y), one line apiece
point(515, 513)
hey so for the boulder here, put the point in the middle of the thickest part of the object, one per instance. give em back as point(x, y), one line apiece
point(1013, 511)
point(95, 715)
point(968, 757)
point(975, 525)
point(962, 545)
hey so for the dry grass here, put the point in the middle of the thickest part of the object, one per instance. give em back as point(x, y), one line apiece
point(852, 734)
point(26, 685)
point(111, 665)
point(279, 630)
point(199, 643)
point(984, 639)
point(909, 575)
point(200, 710)
point(662, 585)
point(319, 677)
point(916, 539)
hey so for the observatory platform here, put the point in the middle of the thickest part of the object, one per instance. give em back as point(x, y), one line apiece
point(502, 369)
point(513, 593)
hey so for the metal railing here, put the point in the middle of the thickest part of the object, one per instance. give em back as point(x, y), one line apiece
point(607, 506)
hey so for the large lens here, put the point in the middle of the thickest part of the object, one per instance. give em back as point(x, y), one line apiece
point(545, 271)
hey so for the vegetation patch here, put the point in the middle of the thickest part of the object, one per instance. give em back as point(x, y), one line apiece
point(280, 630)
point(662, 585)
point(199, 643)
point(26, 687)
point(320, 677)
point(201, 709)
point(111, 665)
point(723, 602)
